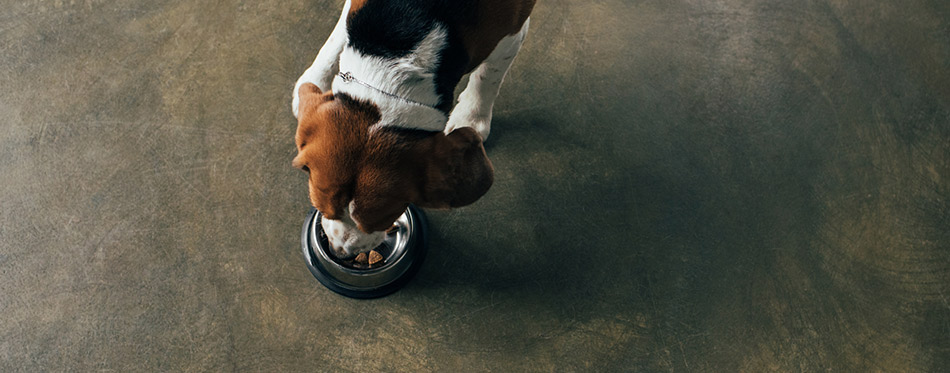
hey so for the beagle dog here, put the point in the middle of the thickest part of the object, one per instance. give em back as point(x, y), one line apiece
point(377, 123)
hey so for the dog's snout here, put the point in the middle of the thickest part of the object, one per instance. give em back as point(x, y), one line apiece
point(340, 252)
point(346, 240)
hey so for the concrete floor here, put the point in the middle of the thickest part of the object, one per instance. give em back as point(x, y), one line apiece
point(681, 186)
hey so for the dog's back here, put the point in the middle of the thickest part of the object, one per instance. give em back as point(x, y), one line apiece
point(394, 28)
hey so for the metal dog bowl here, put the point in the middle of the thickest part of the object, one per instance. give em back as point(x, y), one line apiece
point(403, 251)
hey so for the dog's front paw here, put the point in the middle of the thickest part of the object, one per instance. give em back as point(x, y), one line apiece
point(480, 123)
point(295, 104)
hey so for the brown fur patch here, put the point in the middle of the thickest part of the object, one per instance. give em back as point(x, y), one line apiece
point(495, 20)
point(356, 5)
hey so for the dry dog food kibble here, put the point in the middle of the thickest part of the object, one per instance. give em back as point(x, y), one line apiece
point(366, 260)
point(374, 257)
point(361, 258)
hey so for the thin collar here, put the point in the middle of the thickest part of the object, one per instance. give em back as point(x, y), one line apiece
point(349, 78)
point(395, 111)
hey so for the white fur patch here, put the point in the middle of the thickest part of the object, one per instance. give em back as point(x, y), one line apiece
point(346, 239)
point(411, 77)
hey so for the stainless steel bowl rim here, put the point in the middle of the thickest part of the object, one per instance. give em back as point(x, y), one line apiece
point(395, 265)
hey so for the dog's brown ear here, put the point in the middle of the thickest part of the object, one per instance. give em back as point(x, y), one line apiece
point(457, 170)
point(308, 122)
point(313, 155)
point(377, 214)
point(380, 195)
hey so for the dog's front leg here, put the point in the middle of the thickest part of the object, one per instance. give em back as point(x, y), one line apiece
point(327, 63)
point(475, 103)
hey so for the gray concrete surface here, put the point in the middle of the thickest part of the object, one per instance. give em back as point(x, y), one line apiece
point(681, 186)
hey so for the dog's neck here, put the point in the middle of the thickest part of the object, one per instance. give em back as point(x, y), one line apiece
point(403, 88)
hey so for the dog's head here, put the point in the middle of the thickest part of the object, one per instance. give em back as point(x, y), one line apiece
point(362, 180)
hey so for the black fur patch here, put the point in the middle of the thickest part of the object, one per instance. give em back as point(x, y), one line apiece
point(393, 28)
